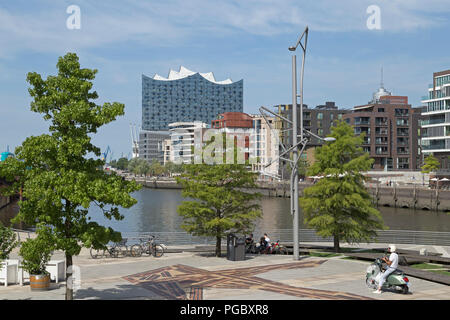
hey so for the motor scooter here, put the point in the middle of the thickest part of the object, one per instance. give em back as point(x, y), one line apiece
point(396, 280)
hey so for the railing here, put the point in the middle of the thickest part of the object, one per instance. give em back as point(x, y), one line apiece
point(305, 235)
point(26, 234)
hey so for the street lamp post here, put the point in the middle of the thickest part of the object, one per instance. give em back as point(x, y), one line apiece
point(294, 173)
point(296, 143)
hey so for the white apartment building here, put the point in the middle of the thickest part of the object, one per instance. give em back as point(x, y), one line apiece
point(183, 139)
point(435, 129)
point(264, 145)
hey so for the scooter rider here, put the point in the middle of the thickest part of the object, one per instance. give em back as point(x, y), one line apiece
point(392, 263)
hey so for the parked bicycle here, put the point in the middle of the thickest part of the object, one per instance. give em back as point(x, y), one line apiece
point(117, 249)
point(148, 246)
point(277, 248)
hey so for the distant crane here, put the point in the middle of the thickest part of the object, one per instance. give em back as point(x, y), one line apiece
point(134, 141)
point(105, 154)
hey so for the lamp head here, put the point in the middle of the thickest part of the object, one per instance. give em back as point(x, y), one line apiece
point(292, 48)
point(329, 139)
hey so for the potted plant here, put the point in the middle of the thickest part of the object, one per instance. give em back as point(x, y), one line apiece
point(36, 253)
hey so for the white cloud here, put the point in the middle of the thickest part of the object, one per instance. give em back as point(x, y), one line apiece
point(169, 22)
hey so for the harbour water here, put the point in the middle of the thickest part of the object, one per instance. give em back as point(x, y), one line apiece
point(156, 211)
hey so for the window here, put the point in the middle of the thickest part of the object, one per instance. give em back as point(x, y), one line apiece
point(320, 116)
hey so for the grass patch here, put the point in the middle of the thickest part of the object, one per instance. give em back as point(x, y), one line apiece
point(431, 268)
point(323, 254)
point(426, 266)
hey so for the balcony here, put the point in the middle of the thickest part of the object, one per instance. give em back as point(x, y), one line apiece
point(381, 131)
point(381, 123)
point(362, 121)
point(381, 150)
point(381, 141)
point(402, 122)
point(402, 132)
point(433, 121)
point(401, 112)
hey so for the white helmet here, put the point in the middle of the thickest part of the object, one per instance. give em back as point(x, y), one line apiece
point(392, 247)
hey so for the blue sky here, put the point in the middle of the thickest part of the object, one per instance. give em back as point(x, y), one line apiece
point(237, 39)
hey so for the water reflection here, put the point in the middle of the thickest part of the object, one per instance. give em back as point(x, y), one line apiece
point(156, 210)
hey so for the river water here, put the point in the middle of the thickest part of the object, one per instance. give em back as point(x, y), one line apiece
point(156, 211)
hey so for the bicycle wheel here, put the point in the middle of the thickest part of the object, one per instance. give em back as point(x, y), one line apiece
point(157, 251)
point(96, 253)
point(122, 251)
point(114, 252)
point(136, 250)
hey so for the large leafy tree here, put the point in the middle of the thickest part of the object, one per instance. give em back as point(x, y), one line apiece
point(338, 205)
point(220, 204)
point(60, 180)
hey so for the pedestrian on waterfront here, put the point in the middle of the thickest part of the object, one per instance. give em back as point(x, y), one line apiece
point(267, 240)
point(249, 239)
point(392, 263)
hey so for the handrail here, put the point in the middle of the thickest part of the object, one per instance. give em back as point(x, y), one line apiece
point(285, 235)
point(18, 231)
point(308, 235)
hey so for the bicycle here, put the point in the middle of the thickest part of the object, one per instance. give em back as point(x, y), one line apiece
point(113, 251)
point(277, 248)
point(148, 246)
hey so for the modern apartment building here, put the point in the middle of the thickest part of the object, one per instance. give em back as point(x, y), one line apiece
point(435, 129)
point(264, 144)
point(187, 96)
point(317, 121)
point(391, 137)
point(184, 138)
point(151, 145)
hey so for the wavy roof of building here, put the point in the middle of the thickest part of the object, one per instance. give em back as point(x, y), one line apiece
point(184, 72)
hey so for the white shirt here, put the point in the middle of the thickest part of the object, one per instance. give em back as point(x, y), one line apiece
point(267, 240)
point(394, 259)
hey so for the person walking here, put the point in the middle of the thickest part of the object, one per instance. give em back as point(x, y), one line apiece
point(392, 263)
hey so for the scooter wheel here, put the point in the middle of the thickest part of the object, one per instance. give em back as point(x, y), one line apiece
point(370, 283)
point(405, 289)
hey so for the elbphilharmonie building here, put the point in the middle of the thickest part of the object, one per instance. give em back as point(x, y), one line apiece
point(186, 96)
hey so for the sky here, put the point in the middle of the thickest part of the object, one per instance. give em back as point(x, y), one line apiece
point(349, 42)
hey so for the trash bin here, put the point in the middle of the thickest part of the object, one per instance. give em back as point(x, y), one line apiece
point(235, 248)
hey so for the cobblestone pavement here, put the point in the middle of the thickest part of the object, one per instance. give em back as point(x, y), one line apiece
point(201, 276)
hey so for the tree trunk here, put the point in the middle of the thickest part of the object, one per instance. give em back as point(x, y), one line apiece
point(218, 246)
point(336, 244)
point(69, 286)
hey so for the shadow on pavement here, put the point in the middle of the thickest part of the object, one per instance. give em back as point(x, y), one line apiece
point(119, 292)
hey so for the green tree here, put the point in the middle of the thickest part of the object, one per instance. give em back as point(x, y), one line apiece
point(60, 183)
point(220, 205)
point(122, 164)
point(338, 205)
point(133, 165)
point(7, 242)
point(430, 164)
point(156, 168)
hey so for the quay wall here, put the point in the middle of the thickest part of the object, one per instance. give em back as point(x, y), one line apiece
point(409, 196)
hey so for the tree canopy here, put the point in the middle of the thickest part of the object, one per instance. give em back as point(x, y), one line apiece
point(338, 205)
point(60, 182)
point(220, 204)
point(430, 164)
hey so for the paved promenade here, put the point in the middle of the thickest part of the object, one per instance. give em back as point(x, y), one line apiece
point(201, 276)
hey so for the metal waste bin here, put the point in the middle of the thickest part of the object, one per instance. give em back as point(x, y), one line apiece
point(235, 248)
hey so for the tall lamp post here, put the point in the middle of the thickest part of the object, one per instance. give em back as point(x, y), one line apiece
point(297, 132)
point(294, 174)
